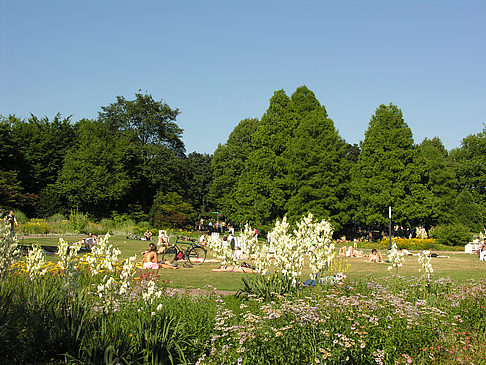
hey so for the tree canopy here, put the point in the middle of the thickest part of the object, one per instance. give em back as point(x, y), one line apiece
point(131, 161)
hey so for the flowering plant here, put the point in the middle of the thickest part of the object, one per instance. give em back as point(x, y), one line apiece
point(424, 260)
point(36, 263)
point(257, 252)
point(8, 248)
point(316, 238)
point(222, 251)
point(396, 257)
point(289, 252)
point(103, 256)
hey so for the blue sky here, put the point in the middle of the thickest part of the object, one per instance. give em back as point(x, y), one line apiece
point(219, 62)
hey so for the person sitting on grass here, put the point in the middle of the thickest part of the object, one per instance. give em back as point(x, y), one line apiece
point(89, 242)
point(148, 235)
point(375, 256)
point(202, 240)
point(150, 260)
point(350, 252)
point(163, 241)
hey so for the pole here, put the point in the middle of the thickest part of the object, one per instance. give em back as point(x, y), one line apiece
point(390, 228)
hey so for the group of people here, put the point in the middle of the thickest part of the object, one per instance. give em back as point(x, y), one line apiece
point(219, 227)
point(375, 256)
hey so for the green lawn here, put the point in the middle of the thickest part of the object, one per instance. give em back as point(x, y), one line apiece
point(459, 266)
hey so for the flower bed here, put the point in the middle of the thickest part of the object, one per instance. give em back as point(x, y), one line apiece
point(94, 309)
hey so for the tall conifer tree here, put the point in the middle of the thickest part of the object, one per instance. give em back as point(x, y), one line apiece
point(384, 174)
point(318, 169)
point(263, 187)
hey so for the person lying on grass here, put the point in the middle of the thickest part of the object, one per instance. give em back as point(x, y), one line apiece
point(375, 256)
point(350, 252)
point(432, 254)
point(243, 268)
point(150, 260)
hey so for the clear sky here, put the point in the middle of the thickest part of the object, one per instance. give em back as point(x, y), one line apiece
point(219, 62)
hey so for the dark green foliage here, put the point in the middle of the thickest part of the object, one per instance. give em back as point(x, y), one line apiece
point(385, 174)
point(263, 187)
point(11, 192)
point(97, 173)
point(228, 163)
point(172, 211)
point(50, 202)
point(31, 156)
point(439, 177)
point(156, 141)
point(318, 171)
point(151, 122)
point(194, 178)
point(42, 145)
point(468, 213)
point(451, 235)
point(470, 160)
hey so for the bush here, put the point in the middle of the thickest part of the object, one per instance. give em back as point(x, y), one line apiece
point(451, 235)
point(268, 286)
point(35, 226)
point(126, 228)
point(20, 216)
point(95, 228)
point(107, 225)
point(55, 218)
point(78, 222)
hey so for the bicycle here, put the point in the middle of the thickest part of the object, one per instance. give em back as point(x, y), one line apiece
point(195, 253)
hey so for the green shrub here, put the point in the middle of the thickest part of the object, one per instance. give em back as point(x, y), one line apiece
point(126, 227)
point(468, 212)
point(78, 222)
point(143, 225)
point(107, 225)
point(451, 235)
point(95, 228)
point(35, 226)
point(20, 216)
point(268, 286)
point(58, 217)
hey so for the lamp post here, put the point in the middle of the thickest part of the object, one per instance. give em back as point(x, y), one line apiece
point(217, 214)
point(390, 228)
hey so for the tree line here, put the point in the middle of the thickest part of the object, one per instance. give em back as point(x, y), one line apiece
point(131, 161)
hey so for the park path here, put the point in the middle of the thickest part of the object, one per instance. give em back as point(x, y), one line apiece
point(200, 292)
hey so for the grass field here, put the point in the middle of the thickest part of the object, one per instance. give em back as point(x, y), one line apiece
point(459, 266)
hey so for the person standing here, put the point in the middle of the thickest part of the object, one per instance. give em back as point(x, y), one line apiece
point(11, 221)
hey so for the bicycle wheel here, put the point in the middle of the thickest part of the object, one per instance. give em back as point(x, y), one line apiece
point(170, 254)
point(196, 255)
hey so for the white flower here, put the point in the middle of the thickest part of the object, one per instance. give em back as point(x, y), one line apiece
point(8, 247)
point(35, 262)
point(396, 257)
point(159, 307)
point(424, 260)
point(222, 252)
point(103, 256)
